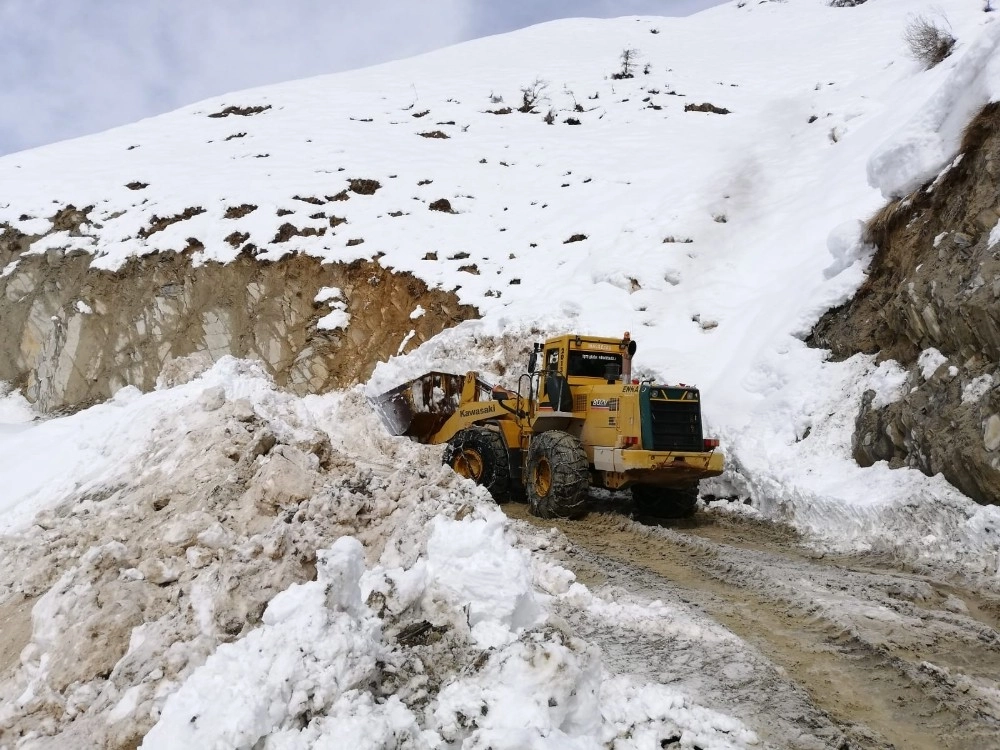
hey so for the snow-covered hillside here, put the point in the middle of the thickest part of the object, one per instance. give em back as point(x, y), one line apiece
point(717, 235)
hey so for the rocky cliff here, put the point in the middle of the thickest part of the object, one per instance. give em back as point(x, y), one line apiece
point(73, 334)
point(932, 302)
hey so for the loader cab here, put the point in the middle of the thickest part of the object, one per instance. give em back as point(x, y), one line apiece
point(567, 361)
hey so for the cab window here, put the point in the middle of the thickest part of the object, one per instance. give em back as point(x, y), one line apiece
point(552, 359)
point(592, 364)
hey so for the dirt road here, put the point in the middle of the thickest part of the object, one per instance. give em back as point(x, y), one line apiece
point(811, 651)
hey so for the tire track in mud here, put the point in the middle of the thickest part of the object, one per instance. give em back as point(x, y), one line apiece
point(880, 657)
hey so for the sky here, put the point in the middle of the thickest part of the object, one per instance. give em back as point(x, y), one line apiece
point(71, 68)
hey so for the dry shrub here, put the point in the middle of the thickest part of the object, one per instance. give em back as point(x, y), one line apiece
point(533, 95)
point(981, 127)
point(886, 219)
point(929, 43)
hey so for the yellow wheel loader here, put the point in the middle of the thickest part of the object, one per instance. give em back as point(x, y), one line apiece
point(576, 420)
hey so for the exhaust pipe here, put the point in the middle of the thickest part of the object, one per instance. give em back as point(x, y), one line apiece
point(628, 349)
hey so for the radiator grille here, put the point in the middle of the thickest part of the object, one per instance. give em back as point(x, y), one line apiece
point(676, 425)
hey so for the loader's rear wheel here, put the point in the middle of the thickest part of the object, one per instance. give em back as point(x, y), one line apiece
point(557, 475)
point(480, 454)
point(661, 502)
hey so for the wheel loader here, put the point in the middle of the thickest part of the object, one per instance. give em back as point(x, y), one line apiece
point(577, 420)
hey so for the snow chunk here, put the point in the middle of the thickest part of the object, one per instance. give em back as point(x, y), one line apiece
point(83, 307)
point(994, 235)
point(929, 361)
point(846, 247)
point(976, 389)
point(887, 381)
point(405, 341)
point(418, 312)
point(334, 320)
point(338, 317)
point(474, 566)
point(327, 293)
point(922, 147)
point(317, 643)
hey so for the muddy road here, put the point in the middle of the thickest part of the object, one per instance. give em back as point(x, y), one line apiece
point(809, 650)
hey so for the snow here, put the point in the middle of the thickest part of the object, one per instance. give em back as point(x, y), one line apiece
point(930, 139)
point(479, 570)
point(977, 388)
point(773, 206)
point(338, 317)
point(929, 361)
point(887, 381)
point(14, 408)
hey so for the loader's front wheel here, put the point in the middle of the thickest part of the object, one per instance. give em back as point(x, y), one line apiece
point(480, 454)
point(557, 475)
point(661, 502)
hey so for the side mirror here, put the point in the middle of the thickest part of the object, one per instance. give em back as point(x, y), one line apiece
point(631, 348)
point(532, 361)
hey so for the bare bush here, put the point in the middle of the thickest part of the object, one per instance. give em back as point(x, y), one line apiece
point(929, 43)
point(532, 95)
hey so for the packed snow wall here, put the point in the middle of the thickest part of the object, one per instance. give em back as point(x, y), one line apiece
point(73, 334)
point(932, 302)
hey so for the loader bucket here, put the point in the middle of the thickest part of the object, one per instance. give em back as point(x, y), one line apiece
point(419, 408)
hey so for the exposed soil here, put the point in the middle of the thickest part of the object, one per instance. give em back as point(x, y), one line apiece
point(73, 335)
point(842, 652)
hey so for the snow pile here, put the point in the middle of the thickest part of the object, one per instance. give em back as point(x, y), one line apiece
point(316, 643)
point(288, 559)
point(930, 140)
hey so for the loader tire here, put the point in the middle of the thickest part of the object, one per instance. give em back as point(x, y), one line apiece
point(557, 475)
point(480, 454)
point(661, 502)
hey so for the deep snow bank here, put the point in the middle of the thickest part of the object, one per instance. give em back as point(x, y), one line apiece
point(253, 567)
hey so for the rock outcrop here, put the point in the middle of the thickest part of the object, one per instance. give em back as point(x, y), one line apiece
point(934, 284)
point(72, 334)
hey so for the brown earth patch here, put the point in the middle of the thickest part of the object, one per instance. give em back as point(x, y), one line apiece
point(442, 204)
point(238, 212)
point(286, 231)
point(241, 111)
point(158, 224)
point(364, 186)
point(706, 107)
